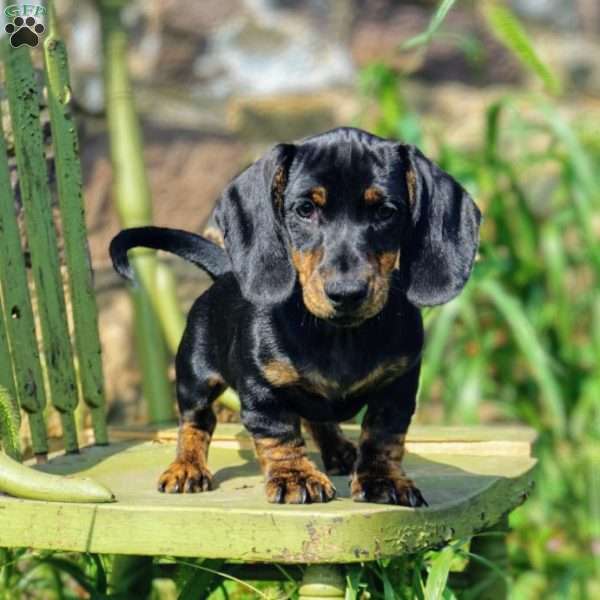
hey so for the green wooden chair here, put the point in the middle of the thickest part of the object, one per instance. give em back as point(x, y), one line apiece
point(472, 477)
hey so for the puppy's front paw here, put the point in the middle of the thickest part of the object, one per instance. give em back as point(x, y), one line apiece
point(300, 485)
point(341, 459)
point(185, 478)
point(393, 489)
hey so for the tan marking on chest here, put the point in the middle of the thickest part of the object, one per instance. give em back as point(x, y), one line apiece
point(315, 383)
point(280, 373)
point(379, 374)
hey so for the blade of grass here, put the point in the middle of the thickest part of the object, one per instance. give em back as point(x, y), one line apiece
point(73, 570)
point(556, 270)
point(417, 579)
point(436, 21)
point(101, 580)
point(258, 593)
point(202, 583)
point(532, 349)
point(582, 163)
point(507, 28)
point(353, 578)
point(438, 574)
point(438, 334)
point(388, 588)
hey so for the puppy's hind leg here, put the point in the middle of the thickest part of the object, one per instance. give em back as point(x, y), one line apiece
point(337, 452)
point(197, 388)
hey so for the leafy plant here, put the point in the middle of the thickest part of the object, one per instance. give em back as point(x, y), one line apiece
point(521, 342)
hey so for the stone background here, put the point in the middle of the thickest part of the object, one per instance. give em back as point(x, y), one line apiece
point(217, 81)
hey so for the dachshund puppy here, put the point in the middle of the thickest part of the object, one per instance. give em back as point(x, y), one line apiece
point(331, 246)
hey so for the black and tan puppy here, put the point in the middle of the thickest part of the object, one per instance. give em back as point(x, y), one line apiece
point(331, 246)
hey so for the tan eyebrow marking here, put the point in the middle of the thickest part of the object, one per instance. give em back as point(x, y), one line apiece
point(373, 195)
point(319, 195)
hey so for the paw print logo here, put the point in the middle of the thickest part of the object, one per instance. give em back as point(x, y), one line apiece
point(24, 31)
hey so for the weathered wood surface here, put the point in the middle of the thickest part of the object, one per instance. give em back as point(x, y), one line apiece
point(466, 492)
point(24, 101)
point(20, 356)
point(22, 363)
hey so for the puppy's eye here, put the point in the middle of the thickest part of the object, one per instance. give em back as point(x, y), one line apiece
point(306, 209)
point(385, 212)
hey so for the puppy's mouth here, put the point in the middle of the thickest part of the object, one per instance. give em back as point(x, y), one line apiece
point(346, 320)
point(358, 315)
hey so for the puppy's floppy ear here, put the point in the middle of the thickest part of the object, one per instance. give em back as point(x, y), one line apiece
point(249, 215)
point(438, 255)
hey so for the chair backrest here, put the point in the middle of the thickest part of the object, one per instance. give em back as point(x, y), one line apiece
point(34, 315)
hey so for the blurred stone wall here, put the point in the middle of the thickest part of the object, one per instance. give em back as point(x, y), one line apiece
point(217, 81)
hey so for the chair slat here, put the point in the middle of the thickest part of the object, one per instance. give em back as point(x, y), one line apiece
point(7, 391)
point(68, 172)
point(24, 102)
point(6, 369)
point(28, 390)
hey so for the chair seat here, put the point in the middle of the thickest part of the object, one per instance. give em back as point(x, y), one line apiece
point(469, 476)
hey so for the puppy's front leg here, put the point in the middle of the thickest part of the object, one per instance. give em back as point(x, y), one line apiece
point(290, 476)
point(189, 472)
point(378, 475)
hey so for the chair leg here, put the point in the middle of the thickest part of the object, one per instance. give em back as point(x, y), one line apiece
point(131, 576)
point(322, 582)
point(494, 549)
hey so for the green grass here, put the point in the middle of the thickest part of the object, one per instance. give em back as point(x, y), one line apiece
point(522, 341)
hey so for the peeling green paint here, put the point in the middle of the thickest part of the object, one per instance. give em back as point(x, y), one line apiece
point(23, 353)
point(24, 101)
point(458, 487)
point(69, 178)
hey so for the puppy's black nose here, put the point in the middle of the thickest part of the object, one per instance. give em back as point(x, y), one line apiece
point(346, 295)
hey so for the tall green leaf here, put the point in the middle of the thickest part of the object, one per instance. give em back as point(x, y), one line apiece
point(202, 582)
point(438, 574)
point(507, 28)
point(435, 23)
point(532, 349)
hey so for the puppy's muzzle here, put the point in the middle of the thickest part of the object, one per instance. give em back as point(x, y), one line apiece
point(346, 295)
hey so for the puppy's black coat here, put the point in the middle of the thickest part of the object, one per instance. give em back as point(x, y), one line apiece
point(331, 245)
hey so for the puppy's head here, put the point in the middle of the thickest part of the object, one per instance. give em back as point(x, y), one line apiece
point(341, 214)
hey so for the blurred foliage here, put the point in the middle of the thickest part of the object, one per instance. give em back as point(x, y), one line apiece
point(503, 25)
point(522, 342)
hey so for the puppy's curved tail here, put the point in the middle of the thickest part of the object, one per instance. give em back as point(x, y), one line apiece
point(189, 246)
